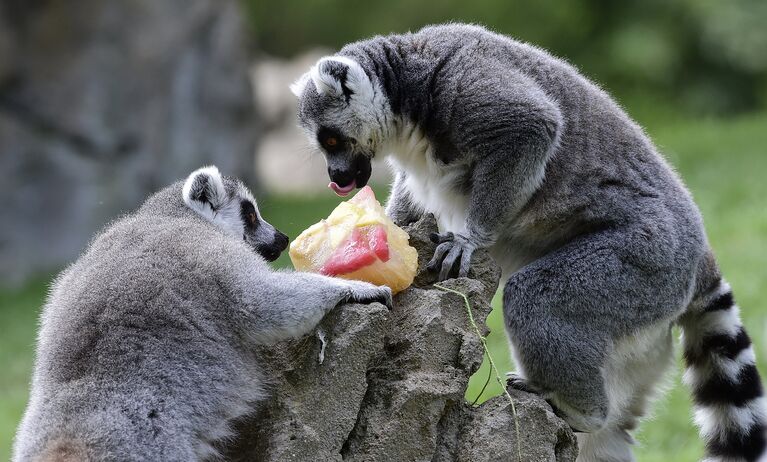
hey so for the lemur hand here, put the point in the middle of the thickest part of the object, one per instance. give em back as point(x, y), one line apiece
point(452, 249)
point(363, 292)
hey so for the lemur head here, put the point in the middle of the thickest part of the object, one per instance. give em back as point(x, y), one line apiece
point(346, 115)
point(228, 204)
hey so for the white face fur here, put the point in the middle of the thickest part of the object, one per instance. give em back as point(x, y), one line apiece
point(229, 205)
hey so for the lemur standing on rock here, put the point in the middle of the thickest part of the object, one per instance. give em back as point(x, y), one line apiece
point(146, 345)
point(602, 247)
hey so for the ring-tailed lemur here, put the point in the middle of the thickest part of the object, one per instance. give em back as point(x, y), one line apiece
point(145, 350)
point(601, 244)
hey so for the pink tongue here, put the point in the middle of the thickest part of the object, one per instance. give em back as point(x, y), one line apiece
point(342, 191)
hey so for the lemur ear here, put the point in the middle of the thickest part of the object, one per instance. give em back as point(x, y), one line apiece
point(299, 85)
point(204, 190)
point(341, 76)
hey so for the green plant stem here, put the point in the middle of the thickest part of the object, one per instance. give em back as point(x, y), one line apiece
point(501, 382)
point(484, 387)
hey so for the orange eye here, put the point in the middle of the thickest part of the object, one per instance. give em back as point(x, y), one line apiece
point(331, 141)
point(253, 218)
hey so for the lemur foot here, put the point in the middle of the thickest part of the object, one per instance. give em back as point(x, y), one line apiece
point(365, 293)
point(579, 423)
point(453, 248)
point(520, 383)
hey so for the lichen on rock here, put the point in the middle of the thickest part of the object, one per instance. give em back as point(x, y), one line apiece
point(391, 384)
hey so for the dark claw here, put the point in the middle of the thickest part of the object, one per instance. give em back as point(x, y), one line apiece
point(449, 262)
point(452, 257)
point(387, 300)
point(441, 238)
point(518, 383)
point(384, 297)
point(439, 254)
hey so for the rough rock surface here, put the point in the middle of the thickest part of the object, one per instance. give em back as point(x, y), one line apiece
point(103, 102)
point(389, 386)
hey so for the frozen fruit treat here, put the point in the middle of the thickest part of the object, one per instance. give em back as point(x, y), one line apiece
point(357, 241)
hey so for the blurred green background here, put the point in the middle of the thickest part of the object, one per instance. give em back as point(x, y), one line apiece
point(703, 57)
point(692, 72)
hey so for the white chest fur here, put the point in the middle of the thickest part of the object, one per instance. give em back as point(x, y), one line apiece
point(431, 184)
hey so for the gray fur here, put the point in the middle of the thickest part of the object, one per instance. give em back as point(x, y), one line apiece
point(601, 244)
point(146, 344)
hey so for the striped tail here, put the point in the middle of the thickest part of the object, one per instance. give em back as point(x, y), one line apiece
point(730, 407)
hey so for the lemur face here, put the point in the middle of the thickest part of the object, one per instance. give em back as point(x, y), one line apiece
point(228, 204)
point(344, 114)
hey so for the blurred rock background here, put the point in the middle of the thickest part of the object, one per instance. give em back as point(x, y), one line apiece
point(103, 102)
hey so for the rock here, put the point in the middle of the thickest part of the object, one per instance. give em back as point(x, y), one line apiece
point(492, 433)
point(318, 392)
point(391, 385)
point(106, 102)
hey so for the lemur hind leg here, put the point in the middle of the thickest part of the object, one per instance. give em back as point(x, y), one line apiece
point(632, 372)
point(571, 312)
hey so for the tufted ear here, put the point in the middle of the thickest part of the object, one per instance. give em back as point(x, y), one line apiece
point(340, 76)
point(204, 191)
point(299, 85)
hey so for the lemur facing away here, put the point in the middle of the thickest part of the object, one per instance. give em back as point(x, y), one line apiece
point(602, 247)
point(145, 350)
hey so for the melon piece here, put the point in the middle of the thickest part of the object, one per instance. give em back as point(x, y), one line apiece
point(357, 241)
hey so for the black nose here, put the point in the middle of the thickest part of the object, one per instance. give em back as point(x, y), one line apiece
point(342, 177)
point(281, 240)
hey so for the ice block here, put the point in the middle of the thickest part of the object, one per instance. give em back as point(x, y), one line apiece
point(357, 241)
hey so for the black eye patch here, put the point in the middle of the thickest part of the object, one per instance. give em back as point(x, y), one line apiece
point(249, 215)
point(331, 140)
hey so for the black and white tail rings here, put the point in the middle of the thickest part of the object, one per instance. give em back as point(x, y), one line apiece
point(730, 407)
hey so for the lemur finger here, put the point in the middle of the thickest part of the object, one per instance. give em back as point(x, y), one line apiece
point(385, 297)
point(376, 294)
point(449, 262)
point(463, 270)
point(440, 238)
point(389, 302)
point(439, 253)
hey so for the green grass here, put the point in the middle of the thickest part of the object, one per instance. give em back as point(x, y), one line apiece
point(723, 162)
point(18, 320)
